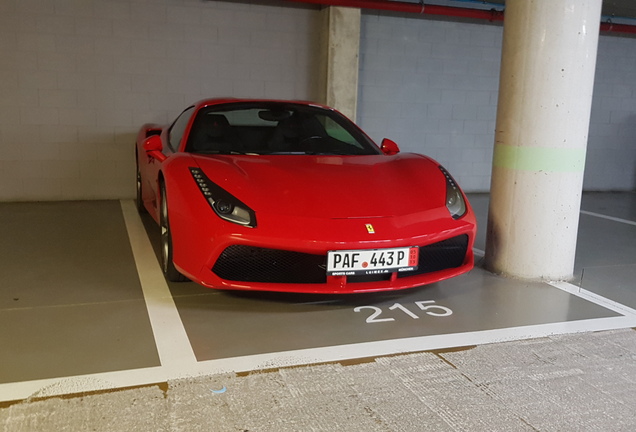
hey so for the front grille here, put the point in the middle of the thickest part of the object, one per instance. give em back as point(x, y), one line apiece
point(442, 255)
point(253, 264)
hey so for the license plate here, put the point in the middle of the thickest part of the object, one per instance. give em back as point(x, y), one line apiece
point(372, 261)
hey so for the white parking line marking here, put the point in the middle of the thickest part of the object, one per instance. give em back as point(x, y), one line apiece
point(594, 298)
point(612, 218)
point(135, 377)
point(81, 383)
point(407, 345)
point(171, 338)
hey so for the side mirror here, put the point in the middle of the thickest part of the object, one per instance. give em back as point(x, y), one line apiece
point(154, 147)
point(389, 147)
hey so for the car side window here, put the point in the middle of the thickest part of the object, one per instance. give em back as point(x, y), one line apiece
point(336, 131)
point(178, 128)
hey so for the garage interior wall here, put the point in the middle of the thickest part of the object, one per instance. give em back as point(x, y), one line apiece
point(432, 86)
point(78, 77)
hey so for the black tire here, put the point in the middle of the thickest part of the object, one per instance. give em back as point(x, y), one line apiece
point(139, 203)
point(167, 265)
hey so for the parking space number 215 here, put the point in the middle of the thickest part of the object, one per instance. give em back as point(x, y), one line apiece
point(427, 306)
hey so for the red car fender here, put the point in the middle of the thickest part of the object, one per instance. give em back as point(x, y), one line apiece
point(185, 200)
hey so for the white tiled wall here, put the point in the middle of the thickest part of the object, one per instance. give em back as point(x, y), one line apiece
point(611, 152)
point(432, 86)
point(79, 77)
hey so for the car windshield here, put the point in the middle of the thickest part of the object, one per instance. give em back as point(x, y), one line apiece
point(275, 128)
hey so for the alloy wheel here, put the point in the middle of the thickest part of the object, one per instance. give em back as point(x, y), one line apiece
point(165, 233)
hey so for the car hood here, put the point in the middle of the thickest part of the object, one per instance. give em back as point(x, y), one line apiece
point(329, 186)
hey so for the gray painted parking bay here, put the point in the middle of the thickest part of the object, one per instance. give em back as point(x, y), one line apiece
point(71, 301)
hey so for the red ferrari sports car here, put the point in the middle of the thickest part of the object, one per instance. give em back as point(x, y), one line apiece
point(293, 196)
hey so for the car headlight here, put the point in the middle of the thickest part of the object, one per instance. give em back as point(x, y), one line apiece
point(454, 198)
point(224, 204)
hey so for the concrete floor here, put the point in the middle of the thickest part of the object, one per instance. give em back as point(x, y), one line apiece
point(84, 311)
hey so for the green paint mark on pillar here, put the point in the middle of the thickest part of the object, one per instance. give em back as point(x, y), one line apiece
point(539, 159)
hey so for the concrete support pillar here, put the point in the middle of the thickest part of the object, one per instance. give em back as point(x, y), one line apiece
point(545, 98)
point(341, 49)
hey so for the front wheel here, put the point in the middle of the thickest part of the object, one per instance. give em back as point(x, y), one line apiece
point(167, 265)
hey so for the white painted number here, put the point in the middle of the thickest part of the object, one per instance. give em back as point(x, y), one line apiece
point(405, 310)
point(374, 316)
point(427, 306)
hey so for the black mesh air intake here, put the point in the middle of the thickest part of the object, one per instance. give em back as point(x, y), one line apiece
point(254, 264)
point(442, 255)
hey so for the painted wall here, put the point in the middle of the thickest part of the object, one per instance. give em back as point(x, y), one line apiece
point(611, 149)
point(79, 77)
point(432, 86)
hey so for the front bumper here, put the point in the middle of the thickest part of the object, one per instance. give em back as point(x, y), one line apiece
point(246, 266)
point(242, 263)
point(287, 253)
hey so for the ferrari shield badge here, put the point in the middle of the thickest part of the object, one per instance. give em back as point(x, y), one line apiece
point(370, 229)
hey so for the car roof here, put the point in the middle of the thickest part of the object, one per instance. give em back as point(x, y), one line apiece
point(223, 100)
